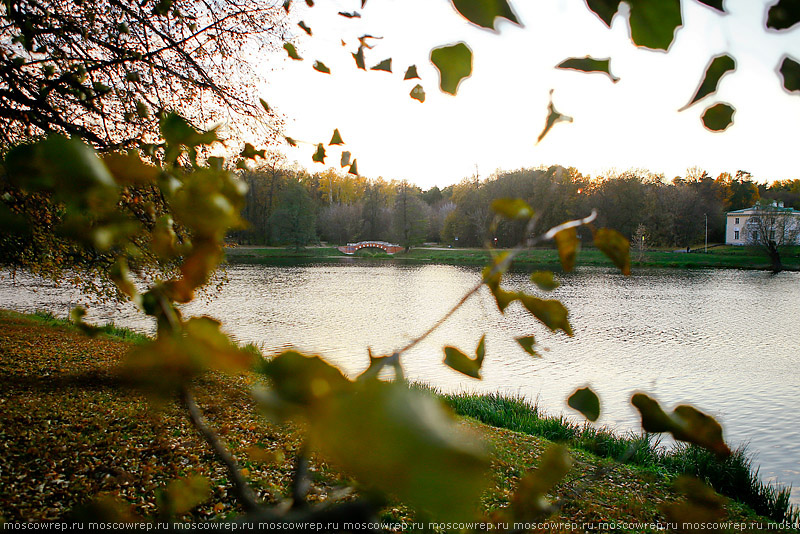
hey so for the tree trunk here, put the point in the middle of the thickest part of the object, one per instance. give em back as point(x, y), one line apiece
point(775, 257)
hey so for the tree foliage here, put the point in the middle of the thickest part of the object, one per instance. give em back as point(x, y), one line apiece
point(294, 220)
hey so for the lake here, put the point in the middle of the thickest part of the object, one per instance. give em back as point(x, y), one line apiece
point(722, 340)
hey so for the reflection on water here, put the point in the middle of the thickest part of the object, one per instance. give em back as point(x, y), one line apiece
point(721, 340)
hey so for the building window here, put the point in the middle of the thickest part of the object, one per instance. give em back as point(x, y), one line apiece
point(737, 220)
point(736, 235)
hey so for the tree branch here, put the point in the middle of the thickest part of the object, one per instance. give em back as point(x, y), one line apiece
point(243, 491)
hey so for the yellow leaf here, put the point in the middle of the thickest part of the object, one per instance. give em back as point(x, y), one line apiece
point(568, 246)
point(615, 246)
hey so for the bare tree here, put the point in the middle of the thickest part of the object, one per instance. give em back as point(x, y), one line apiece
point(772, 226)
point(99, 69)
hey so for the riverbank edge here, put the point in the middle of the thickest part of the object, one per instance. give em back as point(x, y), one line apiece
point(521, 417)
point(748, 258)
point(735, 477)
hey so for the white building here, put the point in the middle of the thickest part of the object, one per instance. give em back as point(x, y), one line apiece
point(743, 227)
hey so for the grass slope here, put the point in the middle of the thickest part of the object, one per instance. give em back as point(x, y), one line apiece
point(69, 433)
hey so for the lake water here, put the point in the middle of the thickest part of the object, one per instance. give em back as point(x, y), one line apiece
point(722, 340)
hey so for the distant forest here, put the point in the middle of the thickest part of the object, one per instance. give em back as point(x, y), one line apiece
point(294, 206)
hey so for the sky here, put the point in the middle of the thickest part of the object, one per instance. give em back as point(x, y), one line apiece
point(493, 122)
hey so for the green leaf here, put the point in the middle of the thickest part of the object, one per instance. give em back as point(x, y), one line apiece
point(180, 135)
point(359, 58)
point(544, 280)
point(585, 401)
point(654, 419)
point(304, 380)
point(716, 4)
point(345, 161)
point(286, 5)
point(529, 502)
point(512, 208)
point(790, 72)
point(304, 27)
point(353, 168)
point(385, 65)
point(310, 3)
point(527, 343)
point(250, 152)
point(615, 246)
point(336, 139)
point(568, 246)
point(550, 312)
point(454, 63)
point(458, 361)
point(291, 141)
point(605, 9)
point(653, 24)
point(352, 15)
point(783, 15)
point(492, 280)
point(718, 117)
point(484, 12)
point(173, 359)
point(81, 176)
point(553, 117)
point(319, 155)
point(320, 66)
point(686, 423)
point(589, 64)
point(265, 105)
point(411, 73)
point(290, 49)
point(715, 70)
point(418, 93)
point(403, 443)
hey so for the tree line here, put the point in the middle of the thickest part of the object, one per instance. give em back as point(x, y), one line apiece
point(290, 205)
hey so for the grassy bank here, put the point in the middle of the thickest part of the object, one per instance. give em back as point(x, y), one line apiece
point(544, 258)
point(734, 477)
point(71, 433)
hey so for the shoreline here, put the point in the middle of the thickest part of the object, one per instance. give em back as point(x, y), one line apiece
point(718, 257)
point(506, 421)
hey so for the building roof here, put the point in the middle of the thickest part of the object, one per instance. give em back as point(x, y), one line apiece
point(758, 207)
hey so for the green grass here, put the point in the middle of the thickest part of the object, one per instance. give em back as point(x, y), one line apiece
point(109, 329)
point(719, 256)
point(734, 477)
point(61, 401)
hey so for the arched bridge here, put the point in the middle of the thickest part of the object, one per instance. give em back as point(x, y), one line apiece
point(389, 248)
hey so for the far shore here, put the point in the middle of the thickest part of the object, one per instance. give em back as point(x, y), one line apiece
point(715, 256)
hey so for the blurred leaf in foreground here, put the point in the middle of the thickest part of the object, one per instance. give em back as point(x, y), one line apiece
point(454, 63)
point(585, 401)
point(589, 64)
point(484, 12)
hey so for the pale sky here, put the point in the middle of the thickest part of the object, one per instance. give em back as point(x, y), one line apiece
point(494, 120)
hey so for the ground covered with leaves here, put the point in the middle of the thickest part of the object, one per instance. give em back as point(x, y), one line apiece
point(73, 434)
